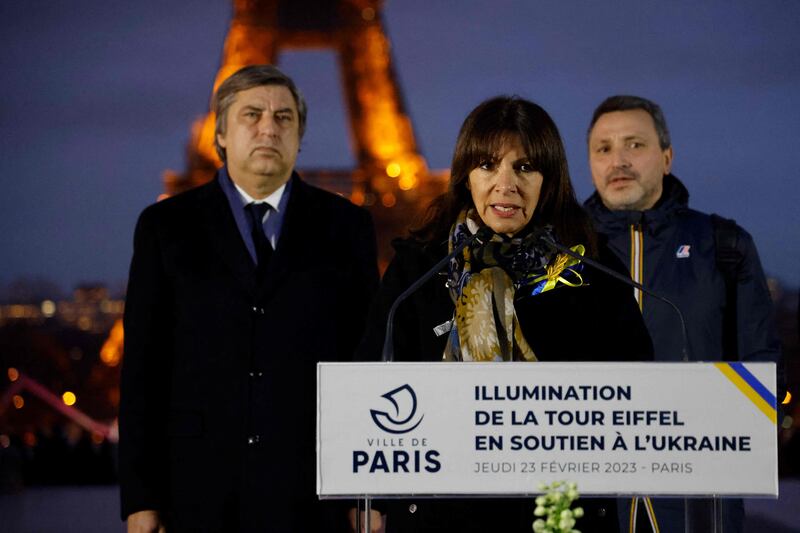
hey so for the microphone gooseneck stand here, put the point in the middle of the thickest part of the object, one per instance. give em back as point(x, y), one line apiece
point(700, 515)
point(482, 236)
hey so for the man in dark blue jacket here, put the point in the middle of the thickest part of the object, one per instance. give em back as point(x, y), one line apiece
point(643, 210)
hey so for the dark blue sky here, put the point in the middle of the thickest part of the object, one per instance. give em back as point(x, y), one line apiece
point(98, 96)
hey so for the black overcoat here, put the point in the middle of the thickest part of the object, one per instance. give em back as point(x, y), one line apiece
point(217, 414)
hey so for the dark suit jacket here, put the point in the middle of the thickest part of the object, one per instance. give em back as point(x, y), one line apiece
point(217, 413)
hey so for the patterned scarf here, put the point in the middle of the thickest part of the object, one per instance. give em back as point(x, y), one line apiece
point(483, 282)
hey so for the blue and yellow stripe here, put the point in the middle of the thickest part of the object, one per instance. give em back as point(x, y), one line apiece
point(751, 387)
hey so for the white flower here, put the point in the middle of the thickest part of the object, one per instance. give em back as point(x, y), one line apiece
point(553, 508)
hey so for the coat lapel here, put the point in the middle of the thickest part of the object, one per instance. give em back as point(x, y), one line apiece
point(224, 236)
point(294, 243)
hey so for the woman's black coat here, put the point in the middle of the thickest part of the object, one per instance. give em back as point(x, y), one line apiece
point(599, 321)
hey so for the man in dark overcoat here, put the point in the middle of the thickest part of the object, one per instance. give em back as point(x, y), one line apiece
point(237, 289)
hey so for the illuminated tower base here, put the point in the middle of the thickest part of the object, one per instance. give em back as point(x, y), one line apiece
point(391, 177)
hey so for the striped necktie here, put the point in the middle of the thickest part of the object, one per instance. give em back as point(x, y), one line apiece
point(264, 249)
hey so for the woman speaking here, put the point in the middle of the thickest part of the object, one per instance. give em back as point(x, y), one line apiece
point(509, 296)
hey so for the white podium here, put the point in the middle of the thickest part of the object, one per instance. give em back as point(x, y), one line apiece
point(490, 429)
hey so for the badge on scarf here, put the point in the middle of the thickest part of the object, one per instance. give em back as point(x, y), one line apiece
point(683, 251)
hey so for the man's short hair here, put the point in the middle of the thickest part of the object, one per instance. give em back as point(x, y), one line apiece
point(247, 78)
point(623, 102)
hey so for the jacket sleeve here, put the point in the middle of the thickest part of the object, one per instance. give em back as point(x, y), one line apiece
point(364, 280)
point(391, 286)
point(755, 316)
point(407, 265)
point(144, 383)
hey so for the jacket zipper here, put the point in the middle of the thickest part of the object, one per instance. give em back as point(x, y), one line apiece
point(637, 275)
point(637, 261)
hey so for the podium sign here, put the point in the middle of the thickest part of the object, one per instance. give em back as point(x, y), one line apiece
point(391, 429)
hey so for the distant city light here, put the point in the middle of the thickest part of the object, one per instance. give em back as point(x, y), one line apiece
point(19, 401)
point(5, 441)
point(787, 422)
point(407, 182)
point(388, 200)
point(357, 197)
point(111, 352)
point(69, 398)
point(13, 374)
point(29, 438)
point(393, 170)
point(48, 308)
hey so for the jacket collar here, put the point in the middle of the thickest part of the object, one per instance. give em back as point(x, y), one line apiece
point(674, 200)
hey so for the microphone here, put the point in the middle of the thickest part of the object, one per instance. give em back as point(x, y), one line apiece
point(482, 236)
point(616, 275)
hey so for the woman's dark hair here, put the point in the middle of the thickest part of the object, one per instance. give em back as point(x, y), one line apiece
point(481, 137)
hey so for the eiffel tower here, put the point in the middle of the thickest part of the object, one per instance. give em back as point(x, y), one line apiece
point(391, 178)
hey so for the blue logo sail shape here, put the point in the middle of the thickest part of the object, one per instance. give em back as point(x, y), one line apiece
point(404, 401)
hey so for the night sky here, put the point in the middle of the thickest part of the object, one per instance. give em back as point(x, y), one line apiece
point(98, 97)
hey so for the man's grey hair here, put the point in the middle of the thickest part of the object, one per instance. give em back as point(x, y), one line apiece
point(622, 102)
point(247, 78)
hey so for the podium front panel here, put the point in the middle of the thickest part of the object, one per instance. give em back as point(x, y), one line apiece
point(484, 429)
